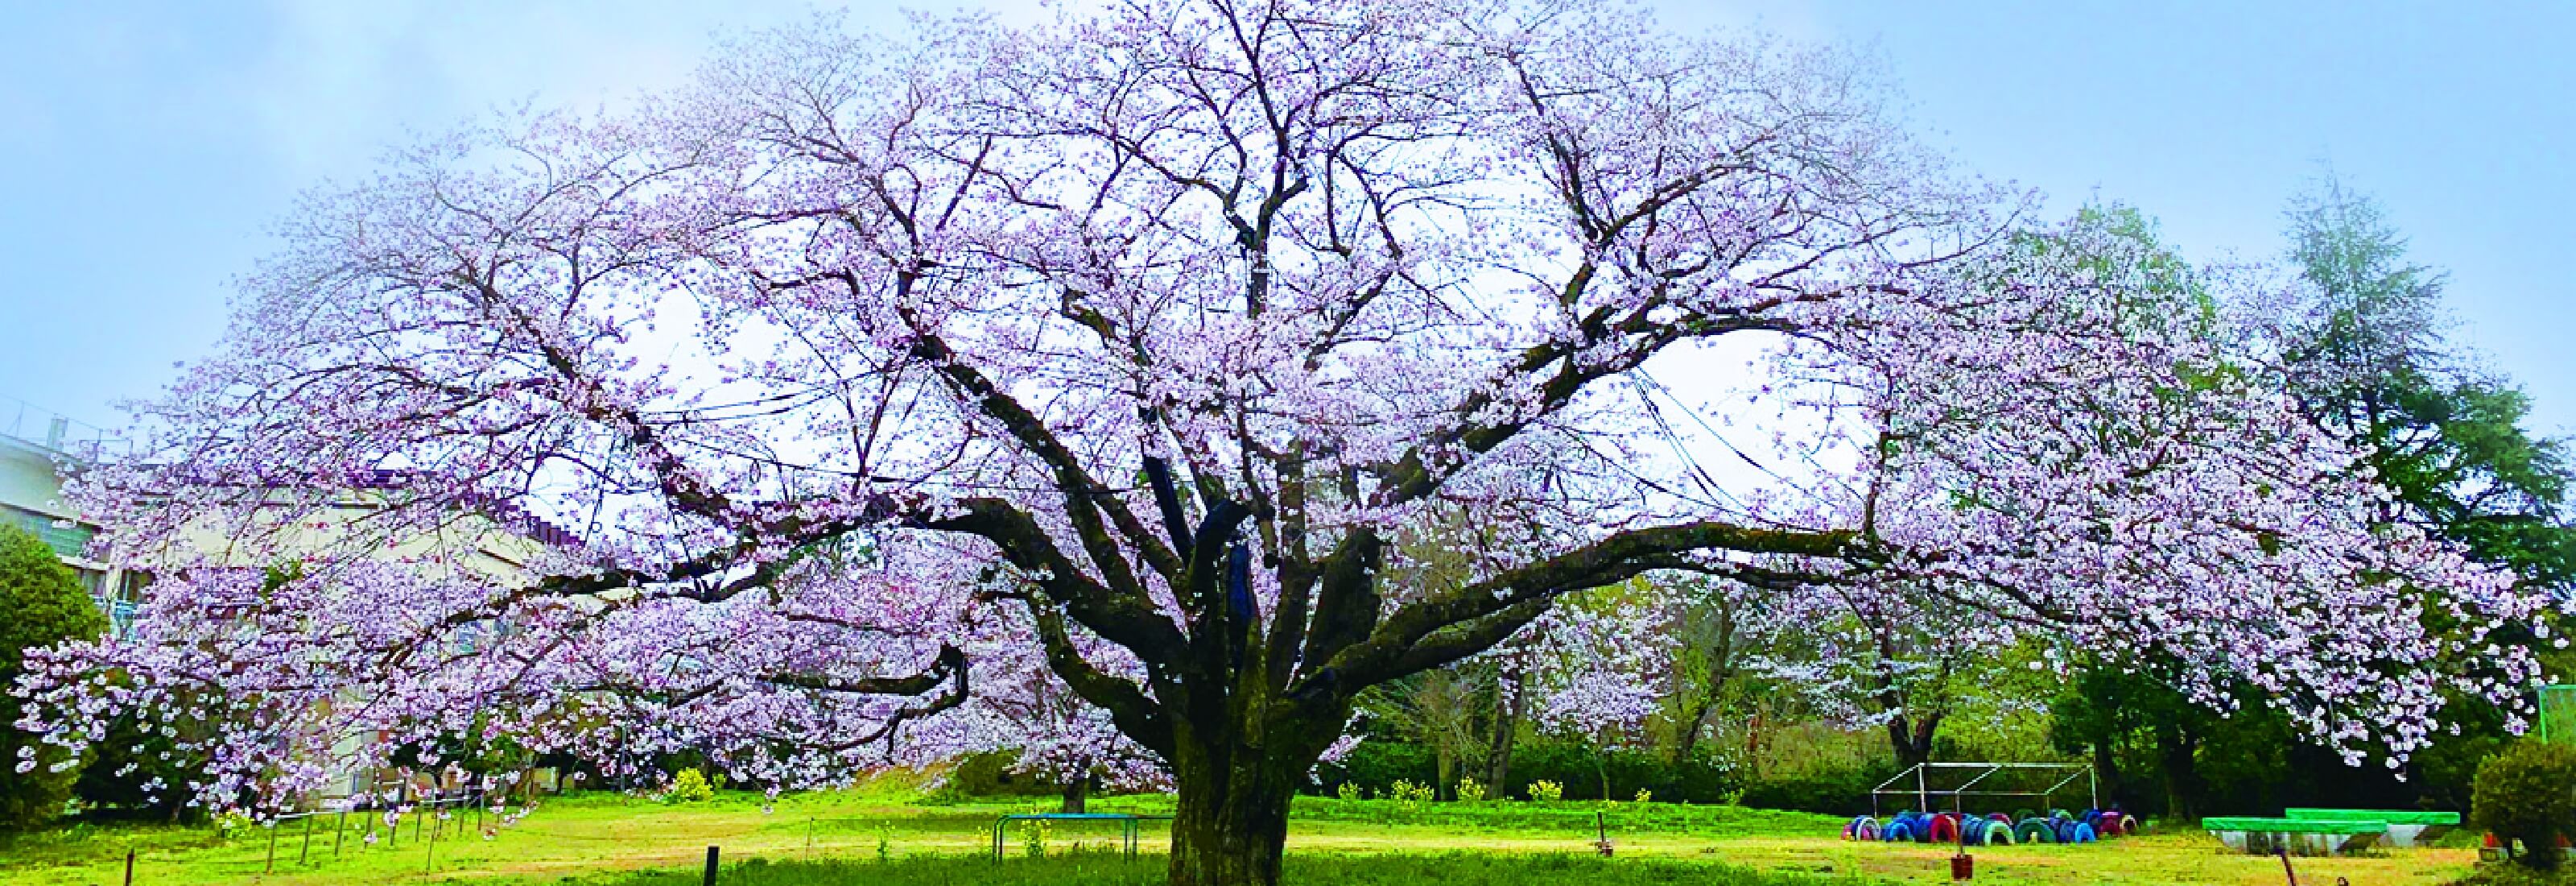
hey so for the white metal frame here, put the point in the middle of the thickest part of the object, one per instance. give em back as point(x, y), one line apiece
point(1923, 793)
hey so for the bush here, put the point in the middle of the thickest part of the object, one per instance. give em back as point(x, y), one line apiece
point(1546, 791)
point(43, 604)
point(1405, 791)
point(1373, 767)
point(993, 774)
point(691, 787)
point(1703, 778)
point(1832, 791)
point(1379, 766)
point(1376, 766)
point(2528, 793)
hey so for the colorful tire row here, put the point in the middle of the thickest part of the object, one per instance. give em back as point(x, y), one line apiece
point(2060, 826)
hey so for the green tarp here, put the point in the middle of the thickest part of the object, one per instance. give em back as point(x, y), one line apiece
point(2389, 816)
point(2294, 825)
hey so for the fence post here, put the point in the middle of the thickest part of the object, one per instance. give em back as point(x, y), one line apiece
point(711, 865)
point(272, 848)
point(305, 854)
point(337, 826)
point(129, 867)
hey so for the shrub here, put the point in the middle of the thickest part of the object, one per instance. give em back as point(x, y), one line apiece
point(1704, 777)
point(1405, 791)
point(1375, 766)
point(43, 605)
point(2528, 793)
point(1832, 791)
point(1546, 791)
point(994, 774)
point(1470, 790)
point(691, 787)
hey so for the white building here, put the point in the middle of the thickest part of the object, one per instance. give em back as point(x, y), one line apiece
point(36, 446)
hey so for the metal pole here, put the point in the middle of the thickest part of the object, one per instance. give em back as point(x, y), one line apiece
point(337, 827)
point(2286, 870)
point(306, 853)
point(129, 867)
point(711, 866)
point(429, 854)
point(2093, 786)
point(272, 848)
point(1922, 795)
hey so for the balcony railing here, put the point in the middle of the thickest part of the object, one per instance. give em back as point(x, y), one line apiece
point(120, 614)
point(59, 433)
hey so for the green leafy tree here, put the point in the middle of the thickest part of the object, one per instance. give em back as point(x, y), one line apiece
point(2370, 360)
point(2142, 736)
point(43, 605)
point(2528, 793)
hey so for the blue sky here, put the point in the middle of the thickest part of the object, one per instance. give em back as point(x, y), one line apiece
point(145, 148)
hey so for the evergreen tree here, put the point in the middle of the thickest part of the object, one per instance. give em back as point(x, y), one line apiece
point(2371, 362)
point(45, 605)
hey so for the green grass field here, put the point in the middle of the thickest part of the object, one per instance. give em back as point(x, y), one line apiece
point(884, 837)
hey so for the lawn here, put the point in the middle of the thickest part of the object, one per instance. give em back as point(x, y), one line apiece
point(886, 837)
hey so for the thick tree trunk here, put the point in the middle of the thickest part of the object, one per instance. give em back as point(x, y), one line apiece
point(1077, 793)
point(1912, 740)
point(1230, 822)
point(2175, 747)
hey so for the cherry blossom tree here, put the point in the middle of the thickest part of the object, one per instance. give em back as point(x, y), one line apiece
point(1897, 661)
point(1126, 344)
point(1602, 666)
